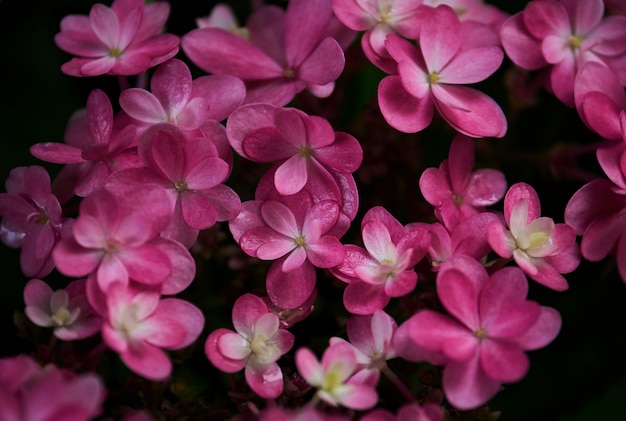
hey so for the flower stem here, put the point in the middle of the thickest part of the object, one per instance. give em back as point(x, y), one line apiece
point(397, 382)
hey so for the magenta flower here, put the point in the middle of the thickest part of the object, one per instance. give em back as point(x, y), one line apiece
point(113, 239)
point(562, 36)
point(379, 18)
point(371, 337)
point(412, 411)
point(256, 345)
point(597, 211)
point(490, 326)
point(298, 239)
point(31, 219)
point(544, 250)
point(190, 173)
point(66, 310)
point(124, 39)
point(34, 393)
point(434, 74)
point(332, 377)
point(95, 144)
point(176, 98)
point(287, 52)
point(455, 190)
point(306, 147)
point(139, 325)
point(384, 269)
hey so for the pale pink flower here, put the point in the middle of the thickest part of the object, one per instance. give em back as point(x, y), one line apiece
point(66, 310)
point(332, 377)
point(97, 145)
point(34, 393)
point(32, 219)
point(563, 35)
point(455, 190)
point(256, 345)
point(384, 269)
point(433, 76)
point(544, 250)
point(287, 52)
point(305, 147)
point(371, 337)
point(379, 18)
point(473, 10)
point(124, 39)
point(139, 325)
point(491, 324)
point(113, 239)
point(176, 98)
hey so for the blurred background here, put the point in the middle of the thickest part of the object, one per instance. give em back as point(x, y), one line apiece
point(580, 376)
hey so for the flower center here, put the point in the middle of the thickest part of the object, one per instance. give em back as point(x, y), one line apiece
point(289, 73)
point(180, 186)
point(299, 240)
point(433, 77)
point(575, 41)
point(305, 152)
point(61, 317)
point(115, 52)
point(480, 334)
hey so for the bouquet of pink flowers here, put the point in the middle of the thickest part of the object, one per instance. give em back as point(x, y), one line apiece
point(320, 210)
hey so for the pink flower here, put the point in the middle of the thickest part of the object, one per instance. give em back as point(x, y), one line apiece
point(597, 211)
point(139, 324)
point(67, 310)
point(371, 337)
point(96, 145)
point(176, 98)
point(562, 36)
point(433, 75)
point(288, 51)
point(256, 345)
point(455, 190)
point(306, 147)
point(379, 18)
point(222, 16)
point(34, 393)
point(544, 250)
point(31, 219)
point(190, 173)
point(332, 377)
point(114, 239)
point(412, 411)
point(124, 39)
point(384, 269)
point(490, 326)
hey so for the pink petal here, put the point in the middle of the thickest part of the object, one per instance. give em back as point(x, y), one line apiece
point(171, 84)
point(325, 253)
point(466, 385)
point(289, 290)
point(148, 361)
point(265, 380)
point(503, 361)
point(520, 46)
point(142, 105)
point(402, 110)
point(223, 363)
point(291, 175)
point(280, 218)
point(246, 311)
point(362, 298)
point(439, 38)
point(472, 66)
point(324, 64)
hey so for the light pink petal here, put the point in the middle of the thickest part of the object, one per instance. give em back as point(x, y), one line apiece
point(305, 22)
point(522, 192)
point(436, 332)
point(547, 275)
point(545, 18)
point(293, 260)
point(289, 290)
point(562, 76)
point(377, 240)
point(147, 264)
point(520, 46)
point(325, 253)
point(466, 385)
point(555, 48)
point(246, 311)
point(171, 84)
point(233, 346)
point(291, 176)
point(472, 66)
point(439, 38)
point(266, 380)
point(57, 153)
point(223, 93)
point(324, 64)
point(216, 357)
point(188, 315)
point(503, 361)
point(359, 397)
point(309, 366)
point(362, 298)
point(403, 284)
point(470, 111)
point(402, 110)
point(280, 218)
point(353, 15)
point(501, 240)
point(142, 105)
point(486, 187)
point(148, 361)
point(105, 24)
point(435, 186)
point(71, 259)
point(542, 332)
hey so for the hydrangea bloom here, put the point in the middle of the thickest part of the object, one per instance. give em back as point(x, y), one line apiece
point(31, 219)
point(455, 190)
point(275, 64)
point(67, 310)
point(256, 345)
point(491, 324)
point(544, 250)
point(434, 75)
point(562, 36)
point(332, 377)
point(124, 39)
point(139, 324)
point(34, 393)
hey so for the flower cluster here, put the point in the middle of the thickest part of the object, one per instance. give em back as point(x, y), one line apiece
point(218, 152)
